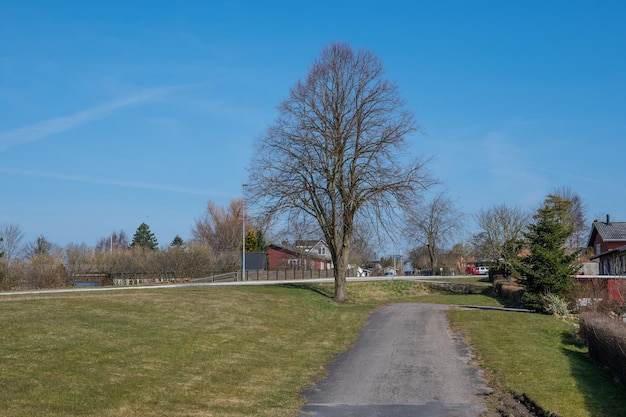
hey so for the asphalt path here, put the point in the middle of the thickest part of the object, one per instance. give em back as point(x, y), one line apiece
point(406, 362)
point(227, 283)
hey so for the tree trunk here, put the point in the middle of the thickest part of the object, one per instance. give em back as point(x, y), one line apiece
point(341, 292)
point(433, 259)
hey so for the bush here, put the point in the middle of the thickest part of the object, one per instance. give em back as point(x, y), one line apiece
point(509, 291)
point(592, 295)
point(4, 275)
point(555, 305)
point(605, 337)
point(546, 303)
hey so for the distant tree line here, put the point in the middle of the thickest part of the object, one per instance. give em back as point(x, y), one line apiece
point(215, 247)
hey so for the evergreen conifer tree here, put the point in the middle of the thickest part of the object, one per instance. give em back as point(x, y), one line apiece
point(177, 242)
point(548, 268)
point(144, 238)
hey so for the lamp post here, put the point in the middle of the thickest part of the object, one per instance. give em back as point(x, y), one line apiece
point(243, 233)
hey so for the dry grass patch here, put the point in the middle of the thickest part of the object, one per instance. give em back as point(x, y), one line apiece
point(213, 352)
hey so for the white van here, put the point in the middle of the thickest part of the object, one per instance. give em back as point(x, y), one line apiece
point(482, 270)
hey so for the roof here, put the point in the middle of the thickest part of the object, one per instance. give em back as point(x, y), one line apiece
point(609, 232)
point(309, 243)
point(612, 251)
point(283, 249)
point(295, 251)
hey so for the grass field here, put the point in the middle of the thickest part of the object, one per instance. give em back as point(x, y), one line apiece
point(540, 356)
point(228, 351)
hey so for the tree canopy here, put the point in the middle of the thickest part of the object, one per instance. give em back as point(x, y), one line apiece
point(548, 268)
point(434, 225)
point(501, 238)
point(177, 242)
point(221, 227)
point(335, 152)
point(144, 238)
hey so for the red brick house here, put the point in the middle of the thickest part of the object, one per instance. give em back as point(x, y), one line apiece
point(282, 257)
point(608, 240)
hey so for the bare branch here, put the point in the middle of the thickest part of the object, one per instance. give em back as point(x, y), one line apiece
point(334, 152)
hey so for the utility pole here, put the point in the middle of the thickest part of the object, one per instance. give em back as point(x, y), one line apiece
point(243, 233)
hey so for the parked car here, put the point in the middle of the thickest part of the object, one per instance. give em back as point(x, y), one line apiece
point(471, 270)
point(482, 270)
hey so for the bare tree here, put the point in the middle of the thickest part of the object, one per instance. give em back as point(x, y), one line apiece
point(576, 218)
point(11, 243)
point(42, 246)
point(298, 228)
point(361, 250)
point(419, 258)
point(501, 237)
point(220, 227)
point(334, 153)
point(114, 242)
point(79, 258)
point(435, 225)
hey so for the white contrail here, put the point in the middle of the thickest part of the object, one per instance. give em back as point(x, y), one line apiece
point(105, 181)
point(45, 128)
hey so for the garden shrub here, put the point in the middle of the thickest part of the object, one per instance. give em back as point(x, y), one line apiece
point(555, 305)
point(509, 291)
point(605, 337)
point(593, 296)
point(533, 301)
point(550, 303)
point(513, 293)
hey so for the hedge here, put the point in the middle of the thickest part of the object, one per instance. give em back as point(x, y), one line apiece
point(606, 339)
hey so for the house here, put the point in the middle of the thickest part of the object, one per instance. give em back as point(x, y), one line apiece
point(608, 240)
point(313, 257)
point(282, 257)
point(316, 247)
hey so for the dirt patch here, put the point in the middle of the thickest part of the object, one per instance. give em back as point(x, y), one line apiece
point(501, 403)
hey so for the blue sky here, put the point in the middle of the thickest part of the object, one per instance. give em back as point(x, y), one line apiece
point(117, 113)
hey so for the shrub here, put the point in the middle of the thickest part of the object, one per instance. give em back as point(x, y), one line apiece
point(555, 305)
point(605, 337)
point(509, 291)
point(552, 304)
point(532, 301)
point(593, 295)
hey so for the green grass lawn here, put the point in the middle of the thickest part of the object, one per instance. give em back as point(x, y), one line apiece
point(169, 352)
point(540, 356)
point(225, 351)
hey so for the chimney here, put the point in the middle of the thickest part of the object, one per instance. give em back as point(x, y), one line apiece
point(608, 219)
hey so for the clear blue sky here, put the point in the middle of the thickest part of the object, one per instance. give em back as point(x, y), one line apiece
point(117, 113)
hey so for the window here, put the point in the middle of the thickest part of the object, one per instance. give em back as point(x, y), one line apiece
point(597, 248)
point(321, 250)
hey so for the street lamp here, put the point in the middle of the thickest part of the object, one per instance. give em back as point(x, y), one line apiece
point(243, 233)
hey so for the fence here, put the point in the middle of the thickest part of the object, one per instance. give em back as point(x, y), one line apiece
point(254, 275)
point(614, 285)
point(289, 274)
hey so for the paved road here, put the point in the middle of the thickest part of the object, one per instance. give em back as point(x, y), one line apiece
point(227, 283)
point(406, 362)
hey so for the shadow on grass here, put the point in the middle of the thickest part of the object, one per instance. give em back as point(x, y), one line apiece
point(603, 396)
point(325, 291)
